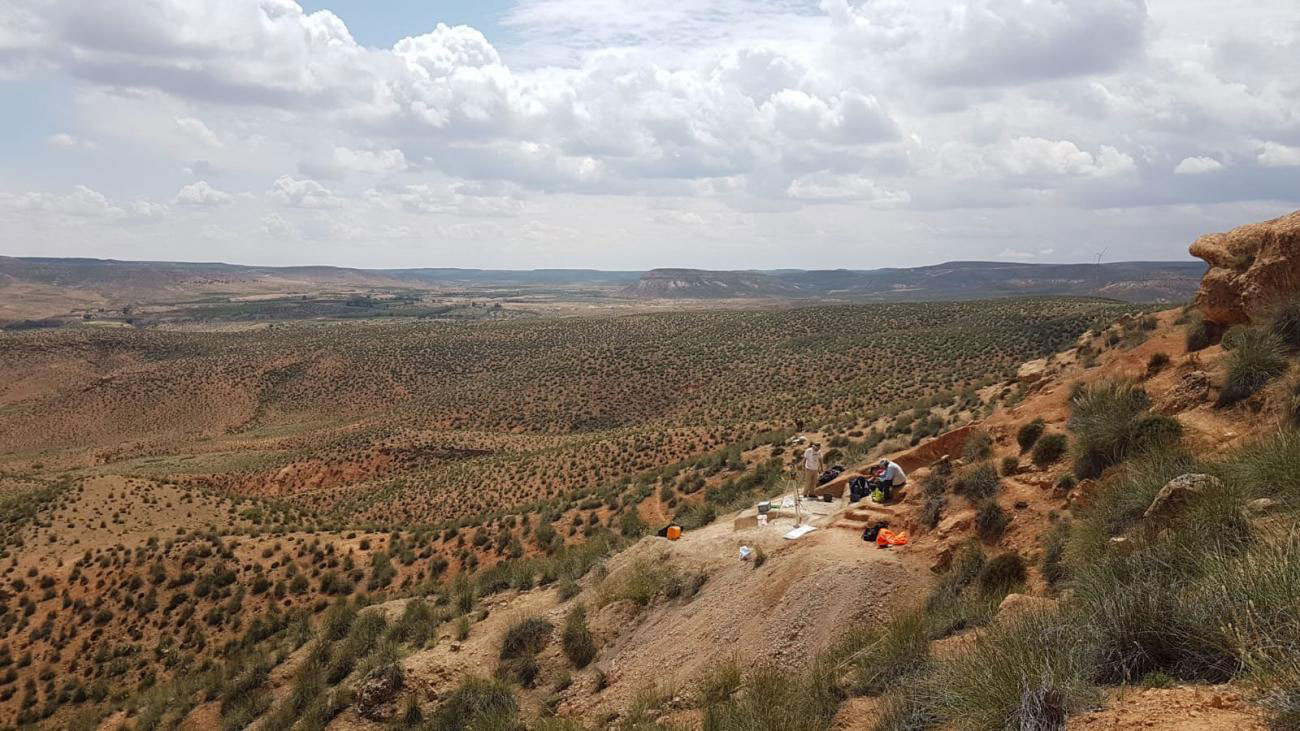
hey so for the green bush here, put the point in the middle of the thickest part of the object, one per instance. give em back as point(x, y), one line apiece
point(991, 521)
point(719, 682)
point(642, 582)
point(1029, 433)
point(1049, 449)
point(1111, 423)
point(695, 515)
point(526, 637)
point(1010, 465)
point(579, 646)
point(1255, 357)
point(1156, 363)
point(774, 700)
point(630, 524)
point(891, 655)
point(979, 446)
point(1202, 334)
point(1003, 573)
point(977, 482)
point(1284, 323)
point(477, 705)
point(932, 511)
point(1055, 569)
point(1030, 672)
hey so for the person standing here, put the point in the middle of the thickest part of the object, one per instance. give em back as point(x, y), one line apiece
point(812, 468)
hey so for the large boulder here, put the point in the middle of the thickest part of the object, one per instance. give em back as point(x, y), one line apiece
point(1032, 371)
point(377, 692)
point(1251, 267)
point(1177, 493)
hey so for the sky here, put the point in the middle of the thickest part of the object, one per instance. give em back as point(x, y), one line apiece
point(624, 134)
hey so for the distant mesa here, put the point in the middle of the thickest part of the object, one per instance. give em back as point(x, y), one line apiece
point(1135, 281)
point(702, 284)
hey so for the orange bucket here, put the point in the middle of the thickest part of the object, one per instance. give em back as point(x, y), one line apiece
point(674, 532)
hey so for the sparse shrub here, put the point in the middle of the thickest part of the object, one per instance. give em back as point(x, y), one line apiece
point(978, 447)
point(1054, 568)
point(1285, 323)
point(773, 700)
point(1003, 573)
point(642, 582)
point(991, 520)
point(1049, 449)
point(1201, 334)
point(719, 682)
point(1029, 433)
point(889, 656)
point(476, 704)
point(525, 637)
point(579, 645)
point(461, 629)
point(1111, 424)
point(932, 512)
point(977, 482)
point(695, 515)
point(1030, 672)
point(1156, 363)
point(1010, 465)
point(630, 524)
point(1255, 357)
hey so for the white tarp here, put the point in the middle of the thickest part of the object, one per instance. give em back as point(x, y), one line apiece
point(800, 532)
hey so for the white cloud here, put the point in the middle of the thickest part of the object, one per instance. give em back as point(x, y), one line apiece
point(82, 202)
point(274, 225)
point(822, 187)
point(943, 122)
point(1013, 254)
point(69, 141)
point(1038, 156)
point(1278, 155)
point(1197, 165)
point(369, 162)
point(197, 130)
point(201, 194)
point(303, 193)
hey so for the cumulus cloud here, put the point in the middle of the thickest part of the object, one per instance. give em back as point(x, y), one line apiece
point(823, 187)
point(1197, 165)
point(802, 116)
point(998, 42)
point(82, 202)
point(202, 195)
point(369, 162)
point(303, 193)
point(1278, 155)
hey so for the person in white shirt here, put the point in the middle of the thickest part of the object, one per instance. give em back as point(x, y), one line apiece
point(812, 467)
point(892, 477)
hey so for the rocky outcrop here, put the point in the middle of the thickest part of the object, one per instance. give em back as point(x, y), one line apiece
point(1015, 605)
point(1032, 371)
point(1251, 268)
point(1191, 390)
point(1177, 493)
point(377, 692)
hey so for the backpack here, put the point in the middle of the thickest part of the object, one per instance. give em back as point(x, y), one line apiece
point(857, 489)
point(873, 531)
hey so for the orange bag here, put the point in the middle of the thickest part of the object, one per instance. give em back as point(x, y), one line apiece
point(887, 537)
point(674, 532)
